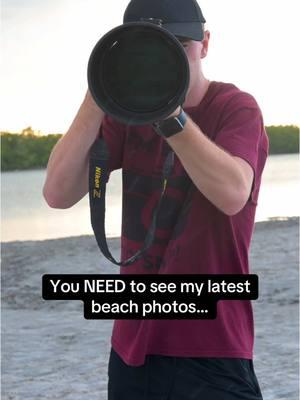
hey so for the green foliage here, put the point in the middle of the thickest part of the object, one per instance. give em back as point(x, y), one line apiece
point(30, 149)
point(283, 139)
point(26, 150)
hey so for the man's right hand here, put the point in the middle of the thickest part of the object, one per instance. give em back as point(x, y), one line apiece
point(68, 166)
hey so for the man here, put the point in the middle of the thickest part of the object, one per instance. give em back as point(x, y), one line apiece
point(204, 227)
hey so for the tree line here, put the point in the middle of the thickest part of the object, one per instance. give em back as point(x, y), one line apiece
point(31, 150)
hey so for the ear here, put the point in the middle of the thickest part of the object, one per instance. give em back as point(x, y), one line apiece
point(205, 43)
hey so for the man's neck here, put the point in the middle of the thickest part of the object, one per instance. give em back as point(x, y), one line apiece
point(197, 93)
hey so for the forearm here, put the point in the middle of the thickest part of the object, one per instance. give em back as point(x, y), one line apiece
point(67, 170)
point(215, 172)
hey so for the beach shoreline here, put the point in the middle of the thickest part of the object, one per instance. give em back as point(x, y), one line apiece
point(51, 352)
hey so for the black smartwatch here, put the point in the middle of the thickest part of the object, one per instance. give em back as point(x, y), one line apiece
point(170, 126)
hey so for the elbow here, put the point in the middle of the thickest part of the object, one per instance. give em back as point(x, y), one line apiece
point(53, 199)
point(232, 210)
point(235, 203)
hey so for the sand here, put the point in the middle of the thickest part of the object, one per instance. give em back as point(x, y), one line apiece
point(51, 352)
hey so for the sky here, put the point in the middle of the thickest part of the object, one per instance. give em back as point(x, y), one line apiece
point(46, 44)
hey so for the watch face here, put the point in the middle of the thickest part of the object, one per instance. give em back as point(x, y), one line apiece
point(171, 126)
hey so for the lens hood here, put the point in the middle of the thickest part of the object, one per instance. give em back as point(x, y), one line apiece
point(138, 73)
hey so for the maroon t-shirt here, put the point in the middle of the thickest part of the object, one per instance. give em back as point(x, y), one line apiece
point(192, 235)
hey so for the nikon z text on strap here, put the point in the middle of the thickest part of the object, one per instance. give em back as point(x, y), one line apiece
point(98, 177)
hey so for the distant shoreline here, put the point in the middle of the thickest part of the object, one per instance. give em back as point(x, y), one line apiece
point(45, 168)
point(29, 149)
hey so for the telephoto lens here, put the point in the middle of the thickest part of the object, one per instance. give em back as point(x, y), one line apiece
point(138, 73)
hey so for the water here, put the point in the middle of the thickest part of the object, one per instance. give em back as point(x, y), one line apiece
point(280, 189)
point(26, 216)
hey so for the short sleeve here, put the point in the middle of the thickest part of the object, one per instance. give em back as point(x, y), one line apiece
point(242, 134)
point(114, 134)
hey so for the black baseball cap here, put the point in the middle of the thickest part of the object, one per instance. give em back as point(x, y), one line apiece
point(182, 18)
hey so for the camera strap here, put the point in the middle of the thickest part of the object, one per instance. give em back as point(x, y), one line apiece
point(98, 178)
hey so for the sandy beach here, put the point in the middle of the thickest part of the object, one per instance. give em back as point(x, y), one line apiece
point(51, 352)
